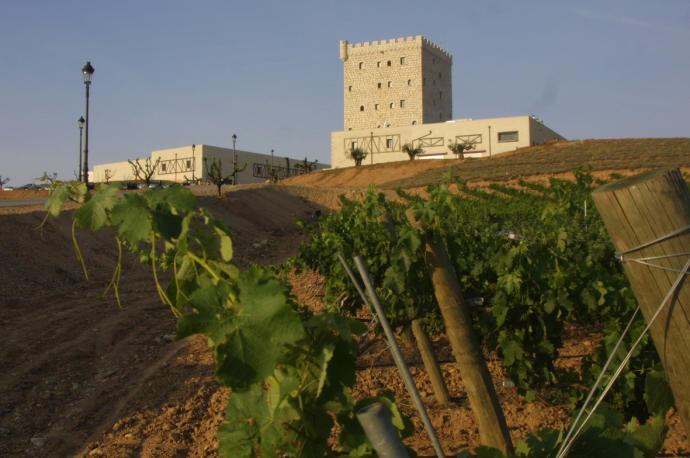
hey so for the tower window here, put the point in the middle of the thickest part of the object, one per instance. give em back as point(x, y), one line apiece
point(390, 84)
point(409, 82)
point(361, 65)
point(376, 107)
point(379, 85)
point(361, 108)
point(424, 81)
point(389, 63)
point(440, 95)
point(440, 75)
point(402, 104)
point(414, 123)
point(391, 105)
point(349, 89)
point(378, 64)
point(402, 61)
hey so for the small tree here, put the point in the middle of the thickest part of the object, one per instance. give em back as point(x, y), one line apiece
point(143, 171)
point(411, 151)
point(49, 179)
point(215, 175)
point(357, 154)
point(460, 147)
point(3, 182)
point(271, 172)
point(107, 175)
point(307, 166)
point(287, 168)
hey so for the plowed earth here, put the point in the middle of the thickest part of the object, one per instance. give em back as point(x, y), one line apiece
point(82, 377)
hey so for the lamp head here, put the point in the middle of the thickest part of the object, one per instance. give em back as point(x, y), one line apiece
point(87, 71)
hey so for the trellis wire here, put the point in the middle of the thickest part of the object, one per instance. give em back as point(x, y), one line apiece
point(568, 443)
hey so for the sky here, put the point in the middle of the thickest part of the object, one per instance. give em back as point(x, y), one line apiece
point(174, 73)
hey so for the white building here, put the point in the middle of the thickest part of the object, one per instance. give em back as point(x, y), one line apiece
point(191, 163)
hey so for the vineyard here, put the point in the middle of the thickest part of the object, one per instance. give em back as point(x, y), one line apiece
point(533, 261)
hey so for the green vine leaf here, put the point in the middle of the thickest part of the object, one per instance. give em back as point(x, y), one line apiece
point(93, 215)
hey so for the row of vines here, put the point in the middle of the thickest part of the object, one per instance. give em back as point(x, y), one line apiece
point(538, 256)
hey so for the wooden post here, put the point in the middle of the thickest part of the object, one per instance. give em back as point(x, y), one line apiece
point(638, 210)
point(430, 364)
point(493, 429)
point(424, 346)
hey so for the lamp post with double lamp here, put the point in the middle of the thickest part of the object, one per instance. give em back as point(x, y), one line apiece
point(80, 122)
point(87, 73)
point(234, 160)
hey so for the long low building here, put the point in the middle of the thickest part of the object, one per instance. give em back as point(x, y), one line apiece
point(191, 163)
point(490, 136)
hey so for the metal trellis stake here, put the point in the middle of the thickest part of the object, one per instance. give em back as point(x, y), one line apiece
point(395, 349)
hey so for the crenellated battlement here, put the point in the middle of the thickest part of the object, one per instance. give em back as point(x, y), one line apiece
point(378, 45)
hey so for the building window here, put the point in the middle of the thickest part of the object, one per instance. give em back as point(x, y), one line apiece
point(402, 104)
point(390, 84)
point(424, 81)
point(440, 75)
point(389, 143)
point(511, 136)
point(378, 64)
point(361, 108)
point(163, 167)
point(361, 65)
point(376, 107)
point(440, 95)
point(389, 63)
point(402, 61)
point(353, 145)
point(349, 89)
point(391, 105)
point(189, 164)
point(409, 82)
point(379, 85)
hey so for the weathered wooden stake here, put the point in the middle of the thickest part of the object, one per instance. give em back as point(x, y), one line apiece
point(493, 429)
point(638, 210)
point(433, 369)
point(430, 364)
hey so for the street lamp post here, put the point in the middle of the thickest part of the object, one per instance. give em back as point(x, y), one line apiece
point(234, 160)
point(193, 161)
point(87, 73)
point(81, 122)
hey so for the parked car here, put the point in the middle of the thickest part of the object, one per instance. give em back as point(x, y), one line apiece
point(8, 188)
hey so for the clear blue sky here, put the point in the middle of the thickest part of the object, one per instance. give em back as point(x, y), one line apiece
point(173, 73)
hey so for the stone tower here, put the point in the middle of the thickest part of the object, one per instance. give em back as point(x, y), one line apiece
point(399, 82)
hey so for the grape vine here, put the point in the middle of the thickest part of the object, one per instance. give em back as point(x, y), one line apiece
point(290, 371)
point(538, 255)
